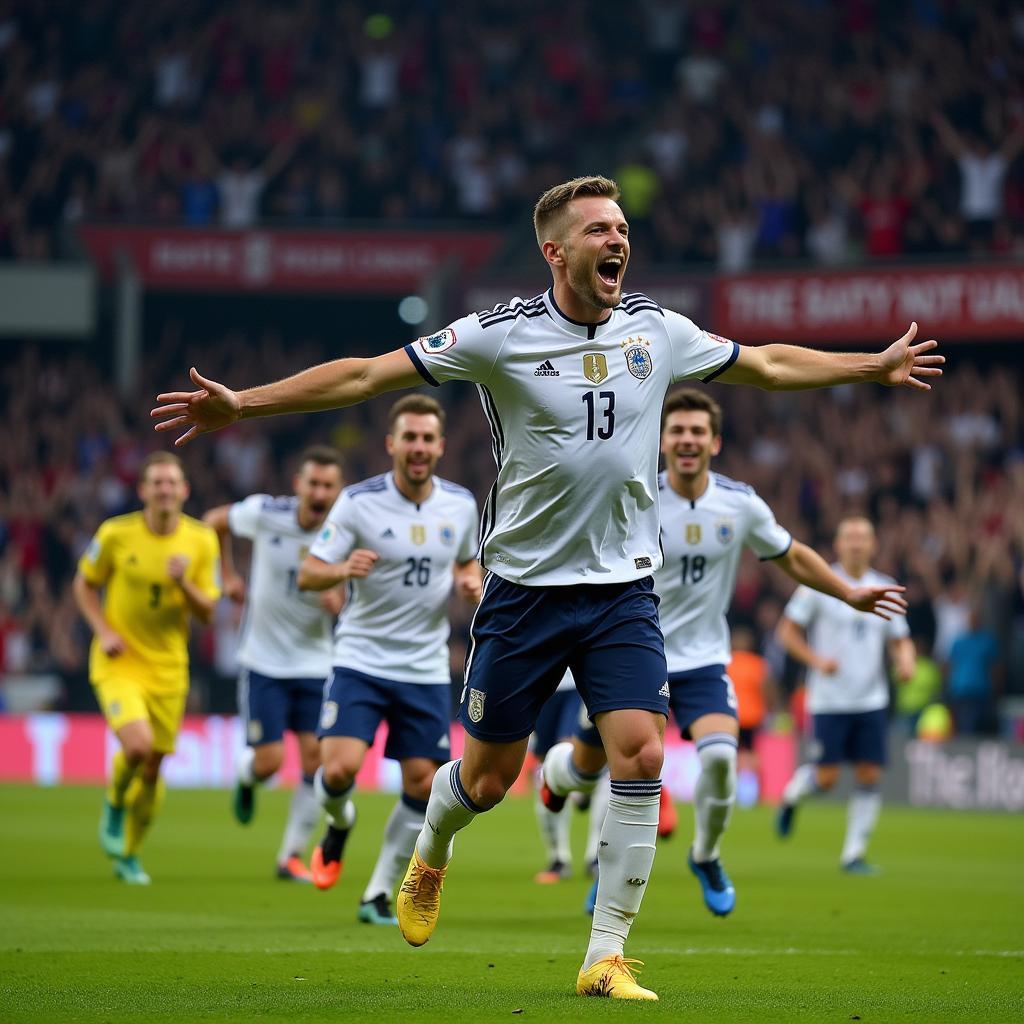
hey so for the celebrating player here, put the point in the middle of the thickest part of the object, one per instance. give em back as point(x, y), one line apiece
point(285, 650)
point(706, 521)
point(400, 541)
point(848, 692)
point(156, 569)
point(572, 382)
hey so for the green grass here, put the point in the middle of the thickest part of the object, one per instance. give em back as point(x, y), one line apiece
point(938, 937)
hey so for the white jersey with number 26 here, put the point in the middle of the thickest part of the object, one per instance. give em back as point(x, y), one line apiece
point(395, 624)
point(574, 411)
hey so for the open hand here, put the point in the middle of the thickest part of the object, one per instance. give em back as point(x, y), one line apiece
point(211, 408)
point(904, 363)
point(883, 601)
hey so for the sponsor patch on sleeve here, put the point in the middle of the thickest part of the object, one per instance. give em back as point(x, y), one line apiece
point(440, 342)
point(719, 338)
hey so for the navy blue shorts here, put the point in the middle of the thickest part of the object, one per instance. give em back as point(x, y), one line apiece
point(693, 694)
point(859, 736)
point(417, 713)
point(558, 720)
point(269, 706)
point(523, 639)
point(698, 692)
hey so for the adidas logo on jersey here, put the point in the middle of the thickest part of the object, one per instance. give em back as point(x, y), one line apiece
point(545, 370)
point(664, 691)
point(388, 534)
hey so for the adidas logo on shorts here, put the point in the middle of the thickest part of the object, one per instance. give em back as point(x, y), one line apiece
point(545, 370)
point(664, 691)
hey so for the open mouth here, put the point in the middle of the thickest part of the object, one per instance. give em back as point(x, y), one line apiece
point(610, 270)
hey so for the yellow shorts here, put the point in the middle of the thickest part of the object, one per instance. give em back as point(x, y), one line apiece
point(125, 700)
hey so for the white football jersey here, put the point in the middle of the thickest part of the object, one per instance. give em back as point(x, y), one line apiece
point(856, 640)
point(575, 412)
point(285, 632)
point(703, 541)
point(395, 624)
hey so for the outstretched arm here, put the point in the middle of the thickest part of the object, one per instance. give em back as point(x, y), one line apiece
point(805, 565)
point(791, 368)
point(333, 385)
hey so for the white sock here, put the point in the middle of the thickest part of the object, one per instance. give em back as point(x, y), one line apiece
point(554, 831)
point(715, 792)
point(625, 858)
point(303, 816)
point(400, 834)
point(448, 810)
point(243, 766)
point(341, 812)
point(803, 784)
point(862, 813)
point(562, 776)
point(598, 811)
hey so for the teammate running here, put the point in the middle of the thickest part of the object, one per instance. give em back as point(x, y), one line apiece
point(285, 650)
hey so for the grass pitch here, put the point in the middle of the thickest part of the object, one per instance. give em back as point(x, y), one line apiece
point(938, 937)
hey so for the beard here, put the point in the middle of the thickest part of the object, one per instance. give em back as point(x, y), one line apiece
point(581, 280)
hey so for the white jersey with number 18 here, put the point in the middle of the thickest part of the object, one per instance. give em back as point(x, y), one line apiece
point(703, 540)
point(574, 411)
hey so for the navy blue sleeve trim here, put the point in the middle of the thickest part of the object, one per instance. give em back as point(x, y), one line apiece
point(725, 366)
point(424, 372)
point(784, 551)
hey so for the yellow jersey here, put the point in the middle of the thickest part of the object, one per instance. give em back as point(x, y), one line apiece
point(141, 600)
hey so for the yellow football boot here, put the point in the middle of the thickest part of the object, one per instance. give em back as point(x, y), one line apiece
point(613, 978)
point(419, 901)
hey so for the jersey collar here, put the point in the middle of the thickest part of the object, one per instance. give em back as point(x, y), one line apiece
point(575, 327)
point(708, 491)
point(393, 488)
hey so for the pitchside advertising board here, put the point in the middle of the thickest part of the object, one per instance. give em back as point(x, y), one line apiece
point(55, 749)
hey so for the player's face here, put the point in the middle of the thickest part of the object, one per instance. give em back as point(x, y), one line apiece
point(855, 543)
point(164, 489)
point(415, 444)
point(687, 442)
point(596, 250)
point(317, 487)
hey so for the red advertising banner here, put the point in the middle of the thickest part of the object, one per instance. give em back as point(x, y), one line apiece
point(286, 261)
point(948, 303)
point(52, 749)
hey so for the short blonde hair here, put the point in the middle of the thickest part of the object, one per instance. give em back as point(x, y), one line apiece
point(551, 206)
point(159, 459)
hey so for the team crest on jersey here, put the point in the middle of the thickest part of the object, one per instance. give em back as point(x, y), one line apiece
point(595, 367)
point(447, 534)
point(329, 714)
point(725, 530)
point(440, 342)
point(326, 533)
point(476, 705)
point(92, 552)
point(254, 731)
point(693, 533)
point(418, 533)
point(638, 359)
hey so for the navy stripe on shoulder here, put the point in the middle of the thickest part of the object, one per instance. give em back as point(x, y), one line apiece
point(728, 484)
point(372, 485)
point(283, 503)
point(733, 356)
point(454, 488)
point(635, 302)
point(505, 311)
point(421, 367)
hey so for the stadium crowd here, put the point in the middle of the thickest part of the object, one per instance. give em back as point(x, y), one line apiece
point(741, 133)
point(942, 479)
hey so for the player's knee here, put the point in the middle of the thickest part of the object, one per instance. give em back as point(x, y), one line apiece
point(266, 762)
point(418, 784)
point(641, 758)
point(827, 776)
point(137, 750)
point(487, 790)
point(339, 771)
point(868, 774)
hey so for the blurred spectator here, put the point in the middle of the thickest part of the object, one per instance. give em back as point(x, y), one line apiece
point(971, 685)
